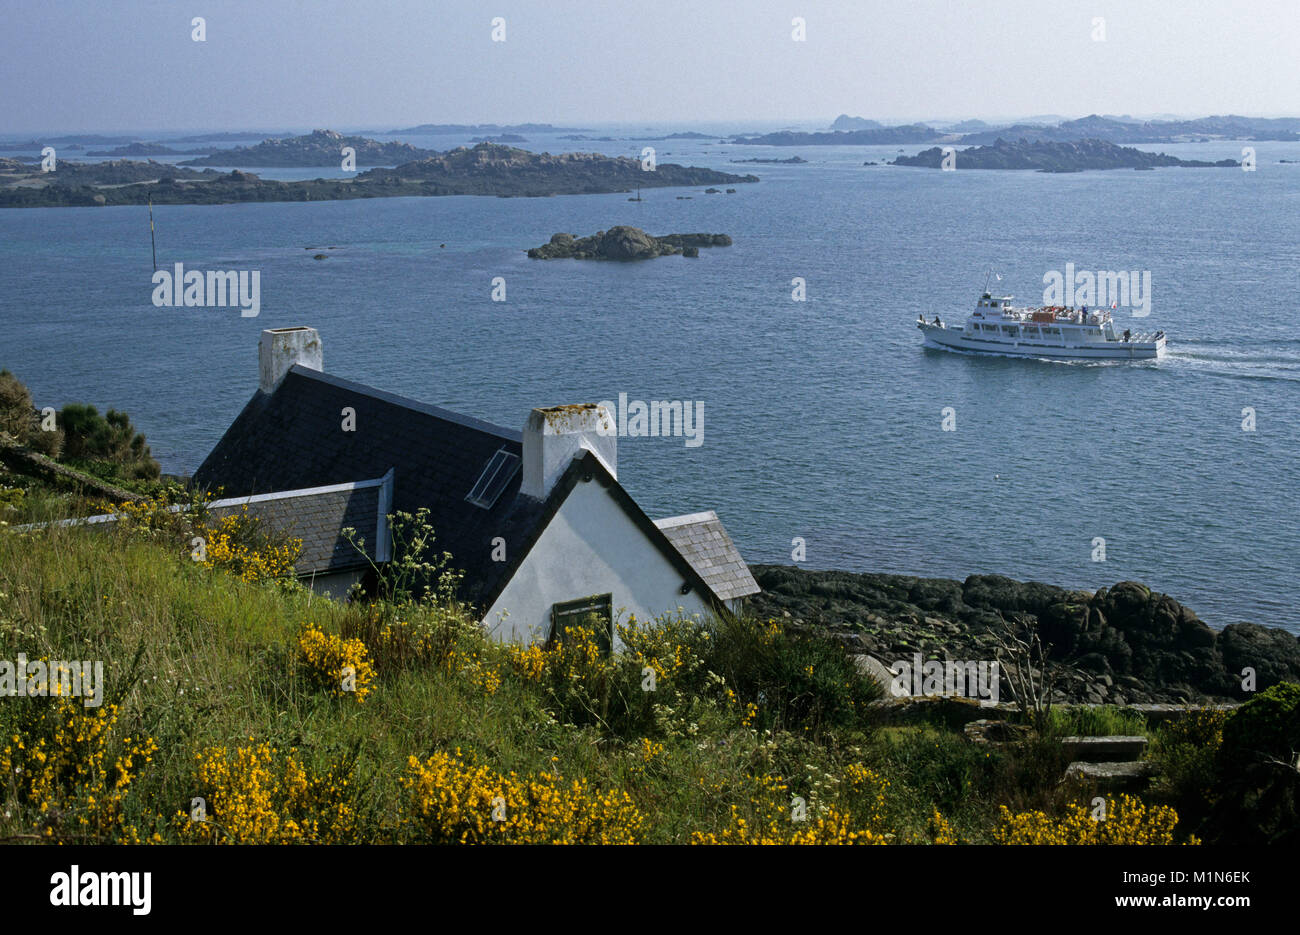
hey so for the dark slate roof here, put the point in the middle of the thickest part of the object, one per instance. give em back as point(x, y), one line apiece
point(317, 516)
point(706, 545)
point(292, 438)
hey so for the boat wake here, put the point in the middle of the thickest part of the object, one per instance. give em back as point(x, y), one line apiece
point(1278, 361)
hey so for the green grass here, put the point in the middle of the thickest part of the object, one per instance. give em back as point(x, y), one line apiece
point(197, 658)
point(1102, 721)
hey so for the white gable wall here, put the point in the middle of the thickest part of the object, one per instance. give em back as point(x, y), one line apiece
point(590, 547)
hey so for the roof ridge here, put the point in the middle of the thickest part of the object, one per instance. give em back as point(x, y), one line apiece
point(704, 516)
point(406, 402)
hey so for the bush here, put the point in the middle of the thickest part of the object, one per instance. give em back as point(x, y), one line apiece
point(341, 667)
point(796, 680)
point(1184, 753)
point(256, 794)
point(1127, 821)
point(1257, 795)
point(243, 546)
point(69, 773)
point(452, 802)
point(774, 817)
point(17, 413)
point(108, 442)
point(1265, 728)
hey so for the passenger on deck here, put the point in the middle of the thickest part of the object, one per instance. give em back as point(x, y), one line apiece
point(1126, 334)
point(937, 321)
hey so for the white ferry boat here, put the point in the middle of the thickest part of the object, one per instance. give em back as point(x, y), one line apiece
point(1057, 332)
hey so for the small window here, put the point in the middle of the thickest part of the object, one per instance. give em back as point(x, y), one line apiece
point(595, 613)
point(498, 472)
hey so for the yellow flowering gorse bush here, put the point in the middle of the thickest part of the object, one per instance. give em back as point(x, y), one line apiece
point(231, 545)
point(450, 801)
point(1127, 821)
point(775, 819)
point(69, 775)
point(256, 794)
point(328, 660)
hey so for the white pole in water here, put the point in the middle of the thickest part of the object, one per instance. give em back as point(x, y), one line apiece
point(153, 244)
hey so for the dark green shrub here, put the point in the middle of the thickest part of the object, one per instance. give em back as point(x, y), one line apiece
point(1265, 728)
point(1184, 752)
point(109, 443)
point(1257, 796)
point(17, 414)
point(797, 679)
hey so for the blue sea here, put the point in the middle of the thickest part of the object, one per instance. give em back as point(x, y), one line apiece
point(823, 418)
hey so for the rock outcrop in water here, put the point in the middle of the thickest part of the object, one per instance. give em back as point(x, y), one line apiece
point(792, 161)
point(1127, 643)
point(625, 243)
point(1055, 157)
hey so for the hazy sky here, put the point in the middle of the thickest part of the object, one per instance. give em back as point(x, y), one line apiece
point(84, 65)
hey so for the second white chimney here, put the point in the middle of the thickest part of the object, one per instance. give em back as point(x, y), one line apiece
point(554, 436)
point(281, 348)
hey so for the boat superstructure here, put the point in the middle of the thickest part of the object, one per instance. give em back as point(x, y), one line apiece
point(1058, 332)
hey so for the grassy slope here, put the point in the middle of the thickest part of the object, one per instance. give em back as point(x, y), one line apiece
point(217, 665)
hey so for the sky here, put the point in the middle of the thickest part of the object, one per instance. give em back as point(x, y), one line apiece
point(102, 65)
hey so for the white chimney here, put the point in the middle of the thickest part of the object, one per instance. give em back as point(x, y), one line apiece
point(281, 348)
point(554, 437)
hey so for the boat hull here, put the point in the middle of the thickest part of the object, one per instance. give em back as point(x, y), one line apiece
point(955, 339)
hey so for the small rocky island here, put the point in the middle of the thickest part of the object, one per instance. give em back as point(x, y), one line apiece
point(792, 161)
point(625, 243)
point(1045, 156)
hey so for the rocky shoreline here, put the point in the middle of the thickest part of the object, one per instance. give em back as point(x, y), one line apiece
point(1121, 645)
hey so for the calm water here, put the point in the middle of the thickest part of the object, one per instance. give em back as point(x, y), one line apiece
point(822, 418)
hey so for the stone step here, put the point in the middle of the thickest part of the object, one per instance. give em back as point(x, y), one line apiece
point(1104, 749)
point(1163, 713)
point(1126, 776)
